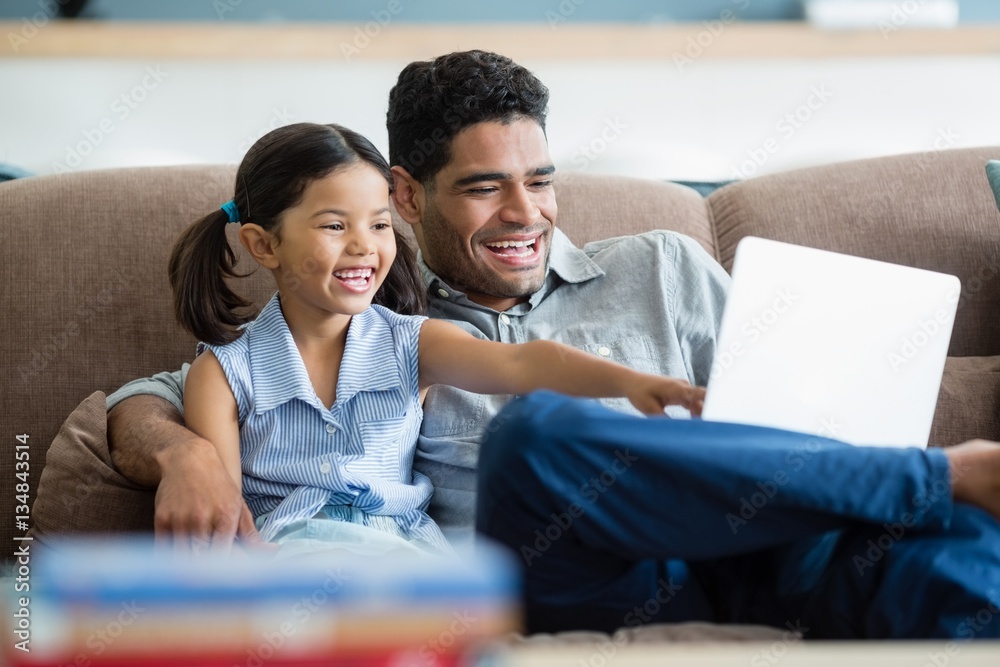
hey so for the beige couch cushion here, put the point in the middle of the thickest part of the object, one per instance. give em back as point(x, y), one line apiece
point(599, 207)
point(932, 210)
point(968, 403)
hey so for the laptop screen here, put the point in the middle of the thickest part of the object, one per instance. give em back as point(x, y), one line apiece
point(832, 345)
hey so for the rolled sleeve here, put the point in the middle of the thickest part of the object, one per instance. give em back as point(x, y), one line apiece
point(167, 385)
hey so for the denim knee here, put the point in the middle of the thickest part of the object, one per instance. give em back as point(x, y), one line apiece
point(525, 428)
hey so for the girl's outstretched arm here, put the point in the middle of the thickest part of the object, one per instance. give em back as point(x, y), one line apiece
point(449, 355)
point(210, 411)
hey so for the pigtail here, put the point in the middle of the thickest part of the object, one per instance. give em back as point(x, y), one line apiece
point(403, 289)
point(200, 262)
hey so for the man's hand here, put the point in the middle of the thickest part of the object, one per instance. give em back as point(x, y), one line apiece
point(650, 394)
point(197, 504)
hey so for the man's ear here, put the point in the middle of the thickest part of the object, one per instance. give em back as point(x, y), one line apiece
point(407, 195)
point(260, 243)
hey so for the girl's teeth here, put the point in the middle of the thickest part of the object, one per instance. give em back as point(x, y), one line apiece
point(353, 274)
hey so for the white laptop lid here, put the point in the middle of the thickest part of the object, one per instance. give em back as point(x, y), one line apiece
point(831, 344)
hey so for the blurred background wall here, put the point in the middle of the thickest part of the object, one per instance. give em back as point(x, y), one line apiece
point(450, 11)
point(674, 89)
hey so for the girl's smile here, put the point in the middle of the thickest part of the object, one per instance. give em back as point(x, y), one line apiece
point(358, 279)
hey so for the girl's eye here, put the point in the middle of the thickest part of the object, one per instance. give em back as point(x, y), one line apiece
point(381, 225)
point(336, 226)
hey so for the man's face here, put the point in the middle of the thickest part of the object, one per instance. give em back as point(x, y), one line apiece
point(486, 227)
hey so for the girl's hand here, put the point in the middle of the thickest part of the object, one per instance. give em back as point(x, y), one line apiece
point(650, 394)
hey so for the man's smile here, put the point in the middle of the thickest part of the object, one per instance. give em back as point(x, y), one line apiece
point(516, 250)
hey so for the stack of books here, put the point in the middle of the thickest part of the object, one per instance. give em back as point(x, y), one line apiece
point(127, 603)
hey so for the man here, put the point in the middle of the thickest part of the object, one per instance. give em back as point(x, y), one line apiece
point(617, 520)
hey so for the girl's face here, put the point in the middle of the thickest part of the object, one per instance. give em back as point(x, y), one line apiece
point(337, 244)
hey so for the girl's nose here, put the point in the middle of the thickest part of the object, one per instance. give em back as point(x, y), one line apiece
point(361, 243)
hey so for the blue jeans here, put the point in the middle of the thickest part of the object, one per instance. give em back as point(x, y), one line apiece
point(620, 520)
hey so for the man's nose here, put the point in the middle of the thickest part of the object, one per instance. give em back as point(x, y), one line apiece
point(519, 207)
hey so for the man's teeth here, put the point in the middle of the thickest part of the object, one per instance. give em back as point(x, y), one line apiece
point(511, 244)
point(354, 273)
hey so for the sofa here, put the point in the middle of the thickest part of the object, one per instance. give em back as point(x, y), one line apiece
point(88, 302)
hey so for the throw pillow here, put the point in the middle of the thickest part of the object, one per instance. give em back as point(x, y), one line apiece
point(80, 492)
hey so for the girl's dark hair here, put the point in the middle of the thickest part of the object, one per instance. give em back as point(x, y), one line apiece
point(271, 179)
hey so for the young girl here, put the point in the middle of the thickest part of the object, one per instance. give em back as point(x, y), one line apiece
point(315, 405)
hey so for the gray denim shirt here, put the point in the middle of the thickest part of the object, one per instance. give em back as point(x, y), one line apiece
point(652, 301)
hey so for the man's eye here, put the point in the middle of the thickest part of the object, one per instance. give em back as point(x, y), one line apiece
point(542, 184)
point(482, 191)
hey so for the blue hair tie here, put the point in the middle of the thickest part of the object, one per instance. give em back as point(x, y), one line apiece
point(231, 210)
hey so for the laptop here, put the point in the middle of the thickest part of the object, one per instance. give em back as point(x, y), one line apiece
point(831, 345)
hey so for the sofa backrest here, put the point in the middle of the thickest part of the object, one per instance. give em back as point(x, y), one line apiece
point(929, 210)
point(87, 304)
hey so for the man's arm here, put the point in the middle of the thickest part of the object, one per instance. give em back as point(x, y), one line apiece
point(196, 500)
point(142, 431)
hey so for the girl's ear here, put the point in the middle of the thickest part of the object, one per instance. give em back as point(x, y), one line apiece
point(260, 243)
point(407, 195)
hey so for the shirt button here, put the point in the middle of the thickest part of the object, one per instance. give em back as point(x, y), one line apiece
point(504, 318)
point(325, 468)
point(443, 292)
point(604, 351)
point(331, 429)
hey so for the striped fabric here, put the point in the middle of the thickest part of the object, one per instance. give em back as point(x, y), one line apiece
point(299, 457)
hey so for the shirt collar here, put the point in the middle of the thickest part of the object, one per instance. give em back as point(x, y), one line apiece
point(369, 362)
point(569, 262)
point(279, 374)
point(566, 261)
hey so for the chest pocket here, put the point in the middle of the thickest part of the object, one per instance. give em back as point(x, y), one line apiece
point(637, 352)
point(384, 449)
point(380, 417)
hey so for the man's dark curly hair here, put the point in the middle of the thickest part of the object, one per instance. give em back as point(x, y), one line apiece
point(434, 100)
